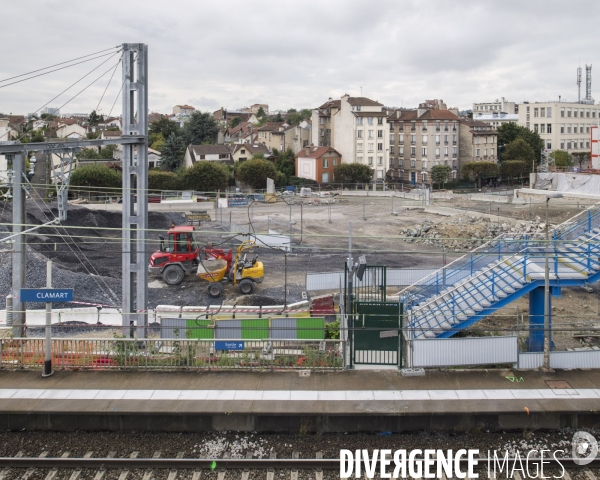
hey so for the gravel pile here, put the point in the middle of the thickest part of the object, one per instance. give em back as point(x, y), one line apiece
point(466, 232)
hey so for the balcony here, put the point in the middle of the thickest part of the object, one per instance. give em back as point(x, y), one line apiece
point(437, 155)
point(446, 142)
point(413, 142)
point(424, 129)
point(437, 142)
point(445, 129)
point(413, 129)
point(437, 129)
point(453, 142)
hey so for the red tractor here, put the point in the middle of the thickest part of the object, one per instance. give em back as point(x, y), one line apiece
point(179, 253)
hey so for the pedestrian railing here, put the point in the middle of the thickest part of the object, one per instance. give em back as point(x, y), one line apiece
point(127, 353)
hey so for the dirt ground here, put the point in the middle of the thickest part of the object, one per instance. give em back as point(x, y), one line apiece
point(320, 244)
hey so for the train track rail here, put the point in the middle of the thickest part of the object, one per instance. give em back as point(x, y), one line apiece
point(23, 467)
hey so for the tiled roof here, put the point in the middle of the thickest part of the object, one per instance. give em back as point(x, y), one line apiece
point(408, 115)
point(184, 106)
point(112, 133)
point(252, 148)
point(332, 103)
point(210, 149)
point(363, 102)
point(370, 114)
point(316, 152)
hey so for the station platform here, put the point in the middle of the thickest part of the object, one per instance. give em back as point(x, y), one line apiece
point(287, 402)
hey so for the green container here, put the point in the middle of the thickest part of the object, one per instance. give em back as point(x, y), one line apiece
point(199, 329)
point(310, 328)
point(255, 328)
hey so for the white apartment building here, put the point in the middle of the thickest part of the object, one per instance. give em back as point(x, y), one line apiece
point(357, 128)
point(562, 125)
point(497, 106)
point(496, 119)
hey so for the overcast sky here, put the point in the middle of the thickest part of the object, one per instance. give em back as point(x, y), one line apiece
point(299, 53)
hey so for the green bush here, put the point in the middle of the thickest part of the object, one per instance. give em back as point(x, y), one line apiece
point(102, 179)
point(206, 176)
point(160, 181)
point(255, 173)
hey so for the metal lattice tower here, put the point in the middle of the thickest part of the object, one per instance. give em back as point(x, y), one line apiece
point(588, 84)
point(578, 84)
point(135, 186)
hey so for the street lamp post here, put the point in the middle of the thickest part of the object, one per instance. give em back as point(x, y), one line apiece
point(547, 289)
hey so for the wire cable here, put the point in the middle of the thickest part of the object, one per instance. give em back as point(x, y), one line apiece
point(51, 71)
point(104, 93)
point(57, 64)
point(65, 90)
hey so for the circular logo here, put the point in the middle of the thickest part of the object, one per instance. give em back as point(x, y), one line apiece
point(585, 448)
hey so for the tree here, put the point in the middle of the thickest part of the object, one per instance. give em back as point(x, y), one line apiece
point(518, 149)
point(206, 176)
point(261, 113)
point(439, 174)
point(105, 153)
point(514, 168)
point(94, 118)
point(295, 118)
point(108, 152)
point(201, 128)
point(582, 158)
point(47, 116)
point(477, 170)
point(352, 173)
point(97, 175)
point(172, 152)
point(285, 162)
point(255, 173)
point(92, 135)
point(235, 121)
point(562, 158)
point(509, 132)
point(278, 117)
point(37, 137)
point(156, 141)
point(165, 127)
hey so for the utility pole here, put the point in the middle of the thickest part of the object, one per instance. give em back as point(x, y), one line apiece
point(48, 363)
point(19, 245)
point(135, 182)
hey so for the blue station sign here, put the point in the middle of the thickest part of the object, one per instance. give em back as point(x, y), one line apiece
point(236, 346)
point(45, 295)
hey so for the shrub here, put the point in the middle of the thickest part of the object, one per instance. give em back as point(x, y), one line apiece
point(255, 173)
point(161, 181)
point(205, 176)
point(98, 176)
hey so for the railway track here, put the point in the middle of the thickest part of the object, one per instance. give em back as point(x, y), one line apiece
point(296, 468)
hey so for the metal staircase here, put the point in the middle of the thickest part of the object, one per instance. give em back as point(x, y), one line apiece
point(501, 271)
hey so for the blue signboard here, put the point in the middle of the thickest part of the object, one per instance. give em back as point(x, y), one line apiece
point(230, 345)
point(238, 201)
point(45, 295)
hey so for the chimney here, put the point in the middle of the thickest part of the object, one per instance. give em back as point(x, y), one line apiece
point(307, 151)
point(421, 111)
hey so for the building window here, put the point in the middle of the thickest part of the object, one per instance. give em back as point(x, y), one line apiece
point(535, 113)
point(580, 143)
point(359, 121)
point(477, 152)
point(380, 147)
point(549, 128)
point(424, 125)
point(424, 139)
point(334, 162)
point(400, 138)
point(575, 112)
point(325, 177)
point(437, 139)
point(392, 150)
point(528, 116)
point(535, 126)
point(412, 163)
point(322, 132)
point(413, 139)
point(542, 128)
point(380, 121)
point(454, 151)
point(568, 144)
point(437, 125)
point(542, 112)
point(359, 158)
point(424, 176)
point(370, 120)
point(321, 120)
point(370, 133)
point(562, 112)
point(325, 163)
point(401, 151)
point(437, 153)
point(391, 138)
point(370, 160)
point(370, 146)
point(569, 128)
point(242, 151)
point(568, 112)
point(413, 151)
point(445, 151)
point(587, 112)
point(424, 152)
point(549, 145)
point(359, 147)
point(549, 112)
point(359, 134)
point(562, 128)
point(413, 126)
point(562, 144)
point(379, 160)
point(379, 133)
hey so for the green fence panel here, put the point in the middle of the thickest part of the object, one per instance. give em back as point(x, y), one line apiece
point(255, 328)
point(199, 329)
point(310, 328)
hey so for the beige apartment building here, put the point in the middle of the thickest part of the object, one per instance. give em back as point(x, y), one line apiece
point(497, 106)
point(478, 143)
point(562, 125)
point(420, 139)
point(357, 128)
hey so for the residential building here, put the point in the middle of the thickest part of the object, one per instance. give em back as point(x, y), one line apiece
point(317, 163)
point(153, 158)
point(111, 122)
point(225, 116)
point(209, 153)
point(420, 139)
point(243, 152)
point(498, 106)
point(51, 111)
point(257, 106)
point(357, 128)
point(478, 142)
point(72, 131)
point(562, 125)
point(113, 134)
point(299, 136)
point(245, 132)
point(496, 119)
point(183, 109)
point(4, 137)
point(272, 134)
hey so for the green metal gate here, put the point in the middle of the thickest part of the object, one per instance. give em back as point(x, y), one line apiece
point(375, 330)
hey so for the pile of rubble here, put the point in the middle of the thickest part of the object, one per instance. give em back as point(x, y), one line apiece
point(465, 232)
